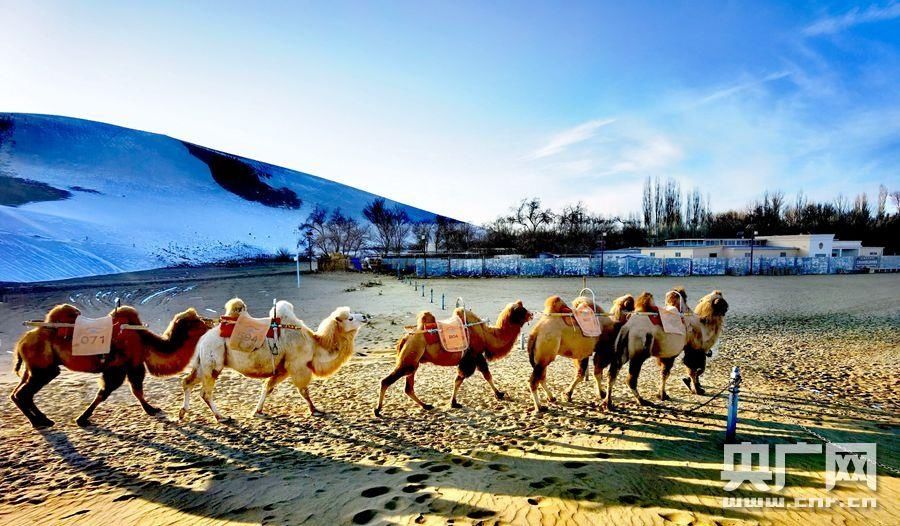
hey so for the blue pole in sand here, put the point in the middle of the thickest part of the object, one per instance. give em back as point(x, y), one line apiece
point(431, 300)
point(442, 302)
point(423, 291)
point(731, 422)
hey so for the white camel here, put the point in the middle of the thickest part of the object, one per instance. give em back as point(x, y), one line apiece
point(301, 354)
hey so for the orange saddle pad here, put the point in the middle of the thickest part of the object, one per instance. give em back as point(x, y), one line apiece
point(92, 336)
point(453, 333)
point(587, 320)
point(672, 320)
point(249, 333)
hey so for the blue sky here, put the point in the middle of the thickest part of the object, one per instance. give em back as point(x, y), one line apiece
point(464, 107)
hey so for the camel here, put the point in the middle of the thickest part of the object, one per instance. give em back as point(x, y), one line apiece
point(639, 339)
point(486, 344)
point(556, 335)
point(704, 326)
point(301, 354)
point(43, 350)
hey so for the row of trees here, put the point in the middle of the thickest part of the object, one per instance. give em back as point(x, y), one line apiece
point(666, 212)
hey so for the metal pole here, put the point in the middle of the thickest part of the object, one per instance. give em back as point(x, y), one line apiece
point(731, 422)
point(298, 269)
point(423, 290)
point(442, 302)
point(602, 251)
point(431, 298)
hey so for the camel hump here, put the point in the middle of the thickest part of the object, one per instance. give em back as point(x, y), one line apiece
point(584, 300)
point(63, 313)
point(424, 318)
point(235, 306)
point(556, 305)
point(644, 303)
point(126, 314)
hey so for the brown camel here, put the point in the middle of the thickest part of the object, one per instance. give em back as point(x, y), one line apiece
point(43, 350)
point(642, 337)
point(556, 334)
point(486, 343)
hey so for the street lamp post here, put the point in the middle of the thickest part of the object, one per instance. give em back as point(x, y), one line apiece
point(602, 250)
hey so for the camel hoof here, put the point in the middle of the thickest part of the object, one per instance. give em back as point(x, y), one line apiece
point(687, 383)
point(43, 424)
point(701, 391)
point(643, 403)
point(500, 395)
point(540, 409)
point(258, 414)
point(182, 413)
point(317, 413)
point(606, 406)
point(83, 422)
point(152, 411)
point(569, 398)
point(377, 412)
point(428, 407)
point(664, 397)
point(455, 405)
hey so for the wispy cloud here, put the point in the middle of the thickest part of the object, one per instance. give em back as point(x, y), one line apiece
point(854, 17)
point(572, 136)
point(737, 88)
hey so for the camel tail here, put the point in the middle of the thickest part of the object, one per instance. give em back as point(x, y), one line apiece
point(19, 360)
point(167, 364)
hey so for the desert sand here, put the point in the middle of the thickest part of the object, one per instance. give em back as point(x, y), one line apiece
point(821, 351)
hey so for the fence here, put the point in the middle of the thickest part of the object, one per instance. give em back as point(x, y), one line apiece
point(636, 266)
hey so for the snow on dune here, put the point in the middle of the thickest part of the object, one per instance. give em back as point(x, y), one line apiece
point(85, 198)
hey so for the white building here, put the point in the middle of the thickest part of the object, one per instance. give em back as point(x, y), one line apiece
point(802, 245)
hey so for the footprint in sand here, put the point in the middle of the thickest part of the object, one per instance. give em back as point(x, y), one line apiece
point(499, 467)
point(412, 488)
point(364, 516)
point(375, 492)
point(543, 483)
point(392, 471)
point(480, 514)
point(628, 499)
point(679, 517)
point(574, 464)
point(438, 468)
point(391, 505)
point(417, 477)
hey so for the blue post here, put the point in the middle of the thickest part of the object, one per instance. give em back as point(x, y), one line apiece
point(431, 299)
point(416, 286)
point(423, 291)
point(442, 302)
point(731, 422)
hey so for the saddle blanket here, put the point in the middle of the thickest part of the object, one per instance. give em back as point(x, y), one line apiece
point(92, 336)
point(454, 334)
point(226, 327)
point(248, 333)
point(672, 320)
point(587, 320)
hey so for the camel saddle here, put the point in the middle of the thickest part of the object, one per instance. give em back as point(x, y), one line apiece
point(671, 320)
point(92, 336)
point(587, 320)
point(247, 333)
point(452, 333)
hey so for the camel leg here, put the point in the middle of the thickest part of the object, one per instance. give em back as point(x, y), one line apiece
point(266, 391)
point(465, 369)
point(599, 364)
point(482, 365)
point(110, 380)
point(665, 365)
point(207, 387)
point(410, 391)
point(136, 381)
point(614, 367)
point(579, 376)
point(550, 397)
point(187, 384)
point(23, 396)
point(301, 380)
point(634, 372)
point(399, 372)
point(695, 362)
point(538, 373)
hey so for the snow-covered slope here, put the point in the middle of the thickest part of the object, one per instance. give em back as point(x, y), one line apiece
point(80, 198)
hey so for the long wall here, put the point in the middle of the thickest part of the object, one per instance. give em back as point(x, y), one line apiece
point(616, 266)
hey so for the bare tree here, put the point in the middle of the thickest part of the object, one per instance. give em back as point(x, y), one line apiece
point(530, 216)
point(421, 233)
point(895, 197)
point(392, 225)
point(315, 224)
point(882, 201)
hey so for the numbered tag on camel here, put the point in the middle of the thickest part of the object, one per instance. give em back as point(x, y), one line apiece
point(587, 320)
point(454, 337)
point(92, 336)
point(672, 320)
point(249, 333)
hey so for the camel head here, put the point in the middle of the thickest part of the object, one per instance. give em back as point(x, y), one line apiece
point(555, 304)
point(426, 318)
point(645, 303)
point(516, 313)
point(680, 290)
point(712, 305)
point(235, 306)
point(340, 326)
point(623, 304)
point(63, 313)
